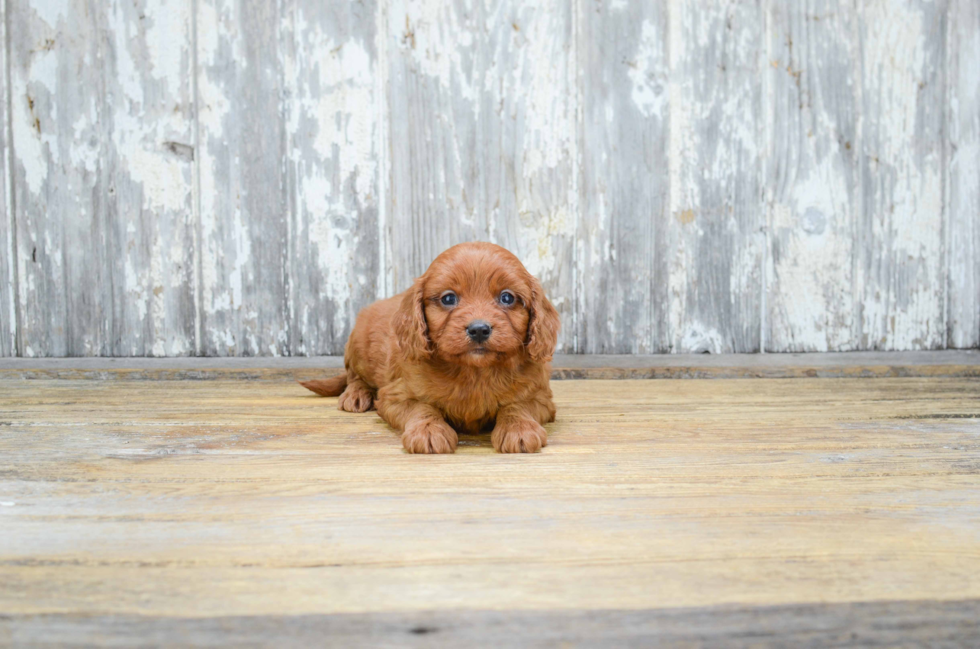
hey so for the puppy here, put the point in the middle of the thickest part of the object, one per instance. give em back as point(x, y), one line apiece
point(468, 348)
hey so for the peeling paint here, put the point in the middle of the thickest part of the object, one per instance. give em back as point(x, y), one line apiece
point(30, 153)
point(51, 11)
point(649, 92)
point(963, 176)
point(901, 271)
point(682, 176)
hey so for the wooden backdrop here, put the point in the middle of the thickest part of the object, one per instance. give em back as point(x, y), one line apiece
point(238, 177)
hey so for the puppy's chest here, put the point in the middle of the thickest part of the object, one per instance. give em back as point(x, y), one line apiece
point(473, 400)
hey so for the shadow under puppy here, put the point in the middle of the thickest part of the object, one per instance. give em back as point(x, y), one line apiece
point(468, 348)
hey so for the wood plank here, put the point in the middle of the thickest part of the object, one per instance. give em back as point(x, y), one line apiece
point(101, 126)
point(902, 623)
point(486, 96)
point(900, 268)
point(814, 179)
point(243, 191)
point(8, 236)
point(169, 500)
point(59, 121)
point(333, 125)
point(949, 364)
point(963, 176)
point(623, 264)
point(715, 231)
point(148, 158)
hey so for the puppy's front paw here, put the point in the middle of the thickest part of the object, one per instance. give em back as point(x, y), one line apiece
point(521, 436)
point(429, 436)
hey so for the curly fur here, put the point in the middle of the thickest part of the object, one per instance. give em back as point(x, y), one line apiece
point(410, 357)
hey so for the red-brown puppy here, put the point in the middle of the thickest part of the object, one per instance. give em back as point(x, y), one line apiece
point(468, 348)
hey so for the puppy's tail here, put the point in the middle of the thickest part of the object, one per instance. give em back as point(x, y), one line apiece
point(331, 387)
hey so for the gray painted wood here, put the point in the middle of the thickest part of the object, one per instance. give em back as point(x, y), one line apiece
point(243, 192)
point(482, 110)
point(222, 178)
point(289, 174)
point(150, 229)
point(333, 118)
point(8, 302)
point(715, 230)
point(963, 176)
point(813, 176)
point(59, 125)
point(624, 191)
point(899, 269)
point(102, 143)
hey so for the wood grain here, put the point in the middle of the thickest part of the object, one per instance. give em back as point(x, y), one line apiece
point(963, 176)
point(333, 120)
point(102, 182)
point(902, 623)
point(715, 232)
point(934, 364)
point(211, 177)
point(211, 499)
point(59, 124)
point(484, 143)
point(623, 263)
point(8, 230)
point(243, 193)
point(814, 177)
point(900, 227)
point(150, 234)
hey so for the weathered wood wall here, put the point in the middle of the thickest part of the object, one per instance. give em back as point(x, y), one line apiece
point(239, 177)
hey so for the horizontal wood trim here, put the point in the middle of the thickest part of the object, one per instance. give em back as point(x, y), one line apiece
point(948, 364)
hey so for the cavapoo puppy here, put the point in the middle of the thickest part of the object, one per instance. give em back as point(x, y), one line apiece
point(468, 348)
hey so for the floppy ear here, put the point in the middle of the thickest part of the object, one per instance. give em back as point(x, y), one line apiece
point(543, 326)
point(410, 325)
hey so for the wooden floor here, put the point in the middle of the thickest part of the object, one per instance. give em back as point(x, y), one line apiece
point(791, 511)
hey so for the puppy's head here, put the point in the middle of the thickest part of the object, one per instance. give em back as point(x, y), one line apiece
point(477, 305)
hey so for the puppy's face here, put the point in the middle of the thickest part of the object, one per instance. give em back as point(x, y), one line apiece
point(477, 306)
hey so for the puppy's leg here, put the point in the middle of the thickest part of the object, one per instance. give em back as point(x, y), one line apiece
point(358, 397)
point(519, 428)
point(423, 428)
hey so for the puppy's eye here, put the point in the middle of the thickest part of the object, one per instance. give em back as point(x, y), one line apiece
point(507, 298)
point(448, 299)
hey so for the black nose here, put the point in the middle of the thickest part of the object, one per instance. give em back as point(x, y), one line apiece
point(478, 331)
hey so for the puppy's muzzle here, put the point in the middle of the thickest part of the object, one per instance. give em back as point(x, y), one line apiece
point(478, 331)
